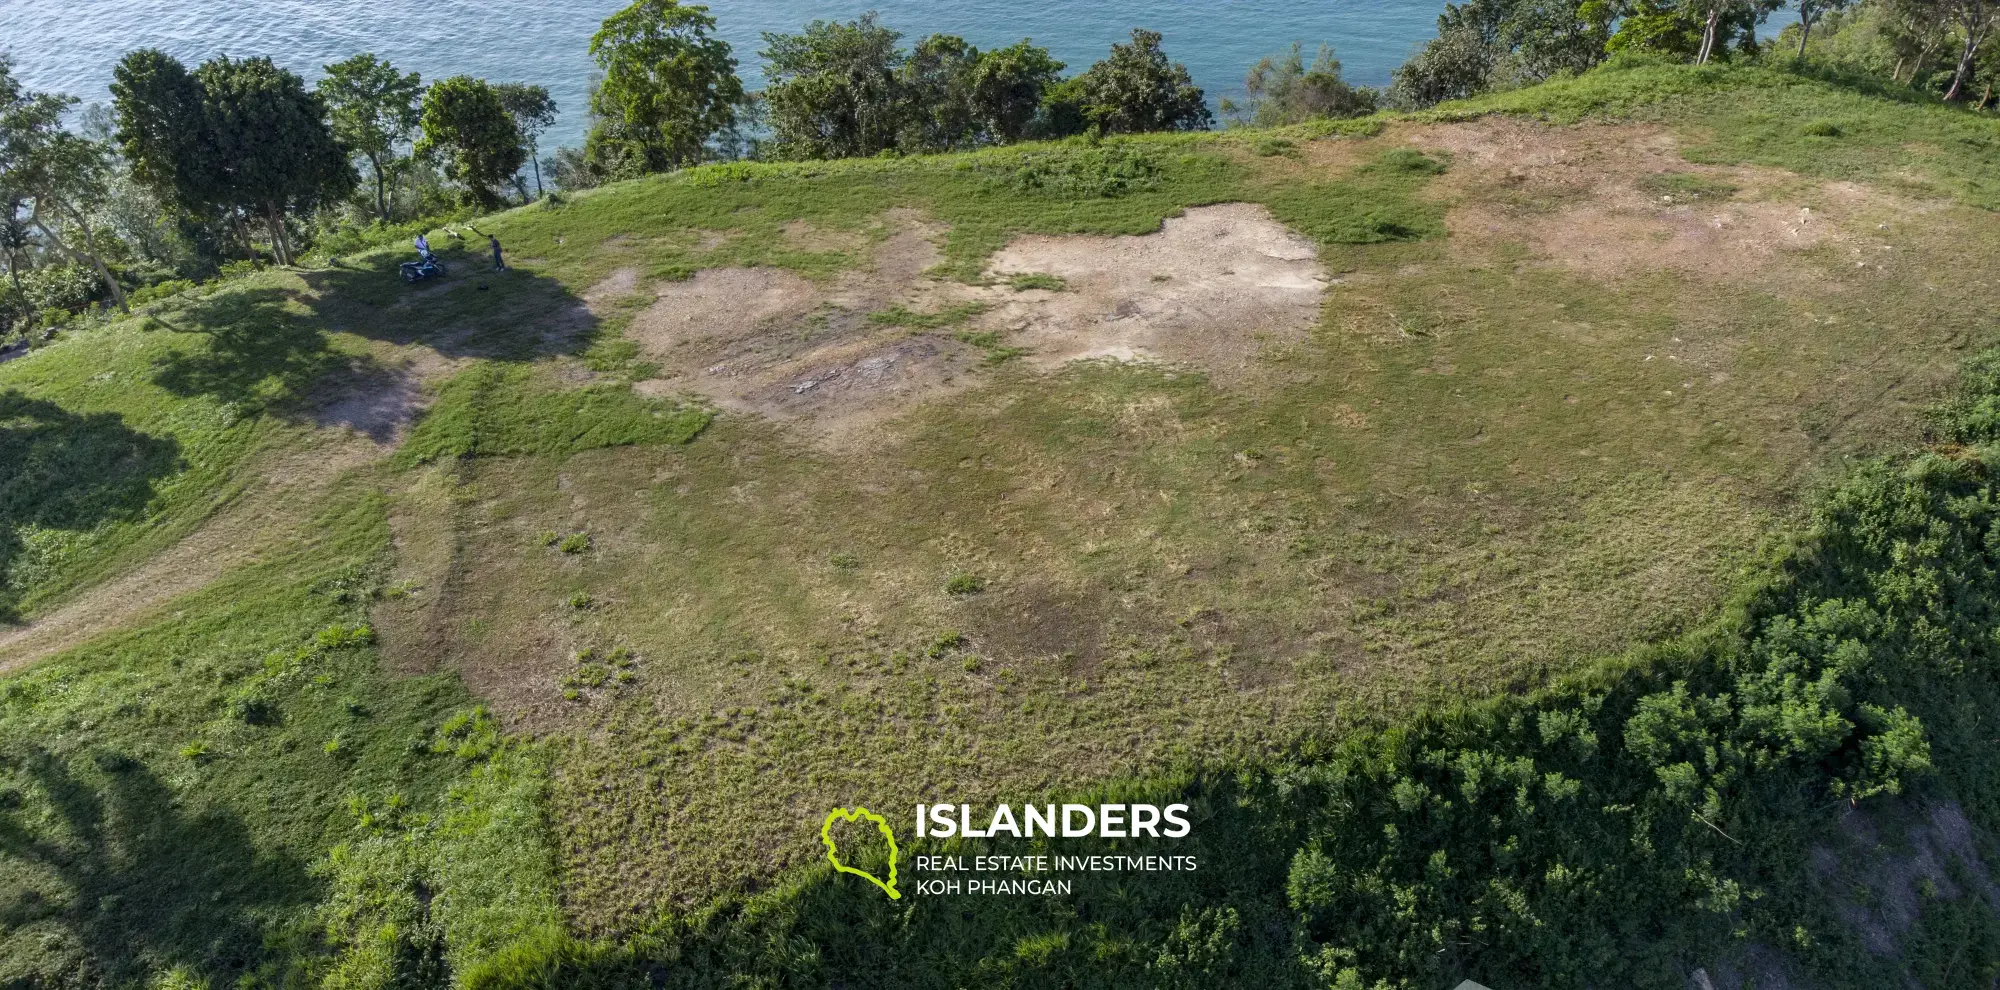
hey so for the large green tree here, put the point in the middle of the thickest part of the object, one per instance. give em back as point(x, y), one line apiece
point(1136, 89)
point(374, 110)
point(836, 89)
point(469, 132)
point(233, 138)
point(534, 111)
point(669, 86)
point(162, 129)
point(936, 84)
point(273, 141)
point(1008, 86)
point(62, 175)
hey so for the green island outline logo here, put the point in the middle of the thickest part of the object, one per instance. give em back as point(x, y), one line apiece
point(833, 852)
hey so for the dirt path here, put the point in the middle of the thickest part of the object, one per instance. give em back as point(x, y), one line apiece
point(269, 515)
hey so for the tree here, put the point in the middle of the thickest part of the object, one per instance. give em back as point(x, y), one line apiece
point(669, 86)
point(163, 132)
point(1975, 19)
point(1136, 89)
point(62, 174)
point(468, 130)
point(1452, 66)
point(936, 90)
point(533, 112)
point(835, 90)
point(374, 109)
point(1810, 11)
point(1283, 89)
point(1007, 88)
point(274, 144)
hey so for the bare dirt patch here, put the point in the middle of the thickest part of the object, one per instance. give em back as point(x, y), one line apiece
point(1210, 290)
point(1615, 200)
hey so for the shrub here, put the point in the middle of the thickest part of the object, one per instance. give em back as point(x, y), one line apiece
point(965, 584)
point(1821, 128)
point(345, 637)
point(574, 543)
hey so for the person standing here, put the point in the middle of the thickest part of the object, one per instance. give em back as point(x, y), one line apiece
point(499, 265)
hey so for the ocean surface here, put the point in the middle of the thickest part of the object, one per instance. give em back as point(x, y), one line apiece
point(71, 45)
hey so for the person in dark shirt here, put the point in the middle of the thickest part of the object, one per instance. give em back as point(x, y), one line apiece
point(499, 265)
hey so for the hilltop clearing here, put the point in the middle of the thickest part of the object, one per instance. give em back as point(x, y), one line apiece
point(759, 490)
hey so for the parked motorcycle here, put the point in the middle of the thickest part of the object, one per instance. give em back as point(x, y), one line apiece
point(417, 271)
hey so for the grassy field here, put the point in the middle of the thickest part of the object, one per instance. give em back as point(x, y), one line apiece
point(1567, 384)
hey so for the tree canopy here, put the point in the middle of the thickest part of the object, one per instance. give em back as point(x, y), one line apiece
point(669, 87)
point(1136, 89)
point(468, 131)
point(374, 109)
point(60, 175)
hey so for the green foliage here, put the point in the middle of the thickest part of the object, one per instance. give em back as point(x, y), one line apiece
point(273, 150)
point(374, 109)
point(834, 90)
point(1026, 281)
point(495, 409)
point(468, 129)
point(1102, 171)
point(669, 87)
point(1283, 89)
point(1495, 44)
point(965, 584)
point(1008, 86)
point(1136, 89)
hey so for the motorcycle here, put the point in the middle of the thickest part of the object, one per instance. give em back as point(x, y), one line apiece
point(417, 271)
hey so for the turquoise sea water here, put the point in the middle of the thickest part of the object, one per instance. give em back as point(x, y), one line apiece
point(70, 45)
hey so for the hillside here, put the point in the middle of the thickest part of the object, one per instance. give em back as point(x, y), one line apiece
point(460, 630)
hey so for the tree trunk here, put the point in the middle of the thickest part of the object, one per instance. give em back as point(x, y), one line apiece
point(1708, 36)
point(90, 249)
point(1965, 58)
point(535, 156)
point(276, 227)
point(381, 194)
point(1805, 28)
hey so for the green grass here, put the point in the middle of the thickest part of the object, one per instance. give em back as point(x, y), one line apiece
point(499, 409)
point(1480, 474)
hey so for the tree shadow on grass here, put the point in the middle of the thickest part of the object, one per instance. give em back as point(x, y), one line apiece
point(264, 353)
point(152, 883)
point(269, 348)
point(472, 312)
point(65, 471)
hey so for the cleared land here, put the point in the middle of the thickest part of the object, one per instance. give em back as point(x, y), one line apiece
point(762, 490)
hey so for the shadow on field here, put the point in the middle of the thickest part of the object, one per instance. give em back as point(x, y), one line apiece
point(65, 471)
point(153, 884)
point(269, 348)
point(472, 312)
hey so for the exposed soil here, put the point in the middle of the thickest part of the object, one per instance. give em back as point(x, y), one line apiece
point(1601, 200)
point(1210, 290)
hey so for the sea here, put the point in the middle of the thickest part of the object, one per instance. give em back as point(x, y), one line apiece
point(70, 46)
